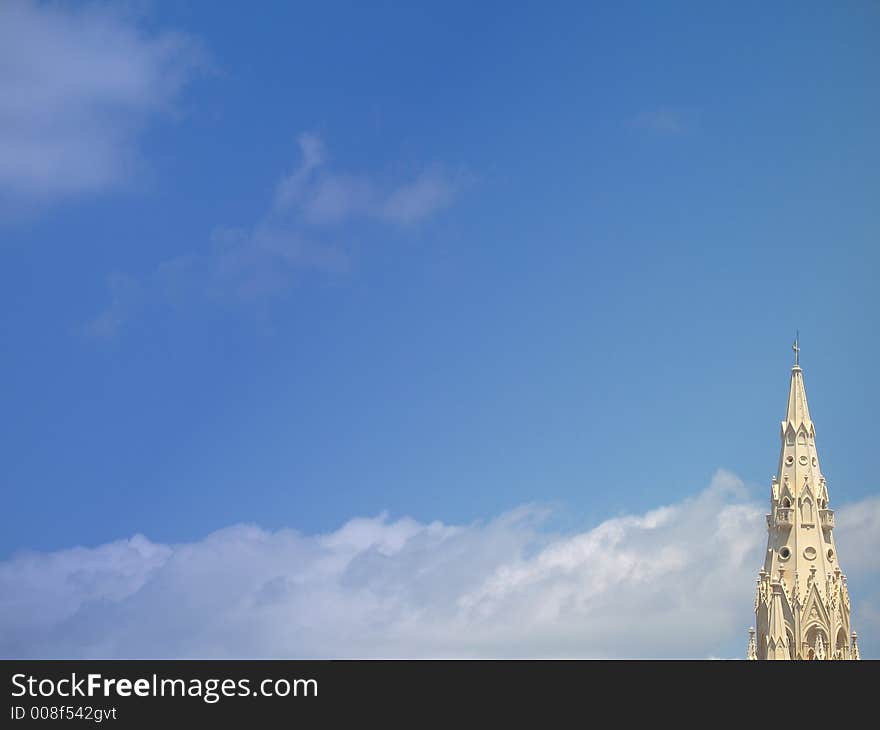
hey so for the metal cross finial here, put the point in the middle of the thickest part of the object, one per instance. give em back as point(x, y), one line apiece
point(796, 348)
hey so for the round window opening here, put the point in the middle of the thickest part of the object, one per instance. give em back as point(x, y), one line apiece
point(789, 459)
point(785, 553)
point(830, 554)
point(815, 461)
point(803, 460)
point(810, 553)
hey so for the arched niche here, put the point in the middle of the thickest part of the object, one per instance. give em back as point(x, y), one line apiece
point(807, 510)
point(841, 645)
point(813, 632)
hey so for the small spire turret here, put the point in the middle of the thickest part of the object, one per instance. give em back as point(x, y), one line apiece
point(752, 651)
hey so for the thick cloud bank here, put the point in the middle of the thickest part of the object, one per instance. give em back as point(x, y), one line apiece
point(674, 582)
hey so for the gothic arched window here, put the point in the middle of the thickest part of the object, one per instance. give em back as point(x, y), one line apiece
point(807, 510)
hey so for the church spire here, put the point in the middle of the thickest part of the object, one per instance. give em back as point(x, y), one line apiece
point(797, 412)
point(802, 605)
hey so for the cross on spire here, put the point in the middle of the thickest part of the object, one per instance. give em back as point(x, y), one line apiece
point(796, 348)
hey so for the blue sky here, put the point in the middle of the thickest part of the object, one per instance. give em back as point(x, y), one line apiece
point(294, 266)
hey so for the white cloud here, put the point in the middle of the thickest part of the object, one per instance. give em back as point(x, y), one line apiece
point(290, 188)
point(325, 198)
point(673, 582)
point(304, 228)
point(858, 541)
point(77, 85)
point(253, 264)
point(412, 201)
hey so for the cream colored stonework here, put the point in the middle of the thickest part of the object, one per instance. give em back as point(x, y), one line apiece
point(802, 607)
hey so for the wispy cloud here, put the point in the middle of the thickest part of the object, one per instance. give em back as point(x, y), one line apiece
point(325, 198)
point(665, 121)
point(77, 85)
point(291, 187)
point(306, 226)
point(673, 582)
point(124, 296)
point(417, 199)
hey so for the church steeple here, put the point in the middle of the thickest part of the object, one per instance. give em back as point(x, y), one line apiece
point(802, 603)
point(797, 413)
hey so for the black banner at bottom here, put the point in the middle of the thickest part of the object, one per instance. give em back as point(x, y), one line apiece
point(256, 693)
